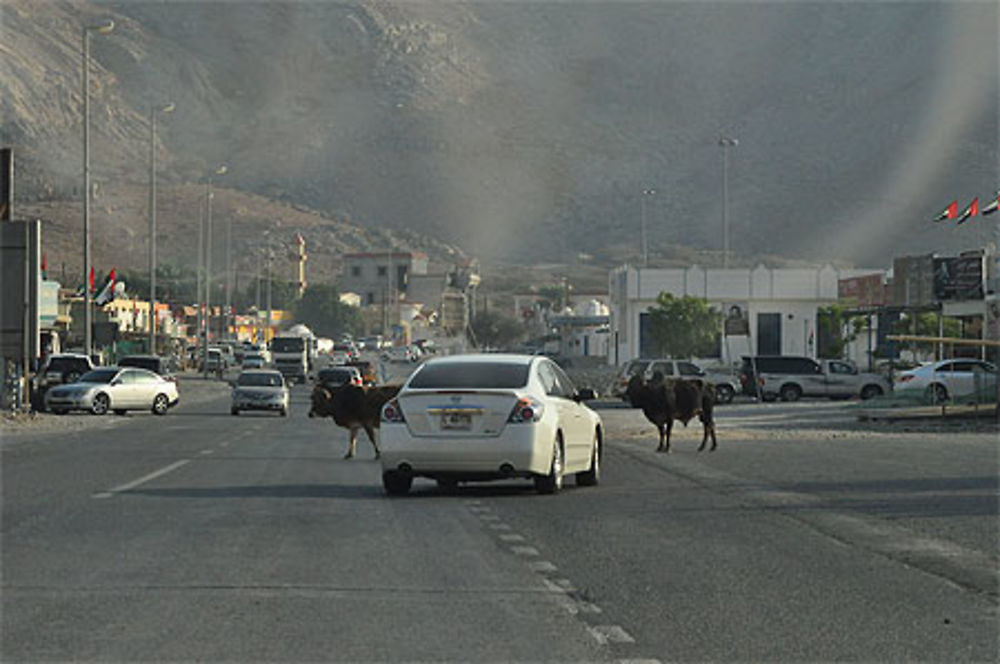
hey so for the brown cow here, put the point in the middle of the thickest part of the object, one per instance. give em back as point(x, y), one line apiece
point(353, 408)
point(663, 401)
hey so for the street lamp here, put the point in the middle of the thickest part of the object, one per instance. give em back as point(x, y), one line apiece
point(221, 170)
point(153, 110)
point(726, 142)
point(642, 224)
point(102, 29)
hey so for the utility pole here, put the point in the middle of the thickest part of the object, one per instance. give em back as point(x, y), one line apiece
point(725, 142)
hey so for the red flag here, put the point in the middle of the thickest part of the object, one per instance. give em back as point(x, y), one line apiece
point(45, 267)
point(994, 204)
point(107, 292)
point(949, 212)
point(970, 211)
point(91, 278)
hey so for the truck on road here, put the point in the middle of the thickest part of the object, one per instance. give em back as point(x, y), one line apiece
point(293, 353)
point(790, 377)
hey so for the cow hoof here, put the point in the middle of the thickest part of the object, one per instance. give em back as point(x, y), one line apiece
point(348, 456)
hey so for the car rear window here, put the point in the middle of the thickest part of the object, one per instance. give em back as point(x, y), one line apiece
point(142, 362)
point(471, 375)
point(336, 375)
point(99, 376)
point(259, 380)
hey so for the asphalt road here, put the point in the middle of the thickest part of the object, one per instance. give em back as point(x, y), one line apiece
point(202, 536)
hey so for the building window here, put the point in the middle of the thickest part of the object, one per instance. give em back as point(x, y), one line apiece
point(355, 270)
point(381, 270)
point(370, 298)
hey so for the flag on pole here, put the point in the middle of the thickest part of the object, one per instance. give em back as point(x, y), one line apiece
point(106, 294)
point(92, 279)
point(993, 205)
point(969, 212)
point(45, 267)
point(949, 212)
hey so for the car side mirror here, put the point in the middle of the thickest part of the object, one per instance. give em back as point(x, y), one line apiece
point(585, 394)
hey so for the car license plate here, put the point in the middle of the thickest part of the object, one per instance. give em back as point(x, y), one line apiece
point(456, 421)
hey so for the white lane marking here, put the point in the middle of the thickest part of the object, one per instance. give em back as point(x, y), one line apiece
point(206, 452)
point(605, 634)
point(576, 607)
point(524, 550)
point(541, 566)
point(489, 517)
point(142, 480)
point(512, 537)
point(499, 526)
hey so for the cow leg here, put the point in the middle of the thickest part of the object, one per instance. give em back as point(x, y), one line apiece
point(668, 426)
point(660, 431)
point(708, 426)
point(351, 445)
point(371, 436)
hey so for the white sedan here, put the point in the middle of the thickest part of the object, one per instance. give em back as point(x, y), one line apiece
point(951, 380)
point(487, 417)
point(260, 389)
point(116, 389)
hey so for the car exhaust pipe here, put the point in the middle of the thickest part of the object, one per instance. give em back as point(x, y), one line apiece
point(507, 469)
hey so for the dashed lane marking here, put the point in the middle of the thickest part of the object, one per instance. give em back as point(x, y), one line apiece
point(512, 537)
point(541, 566)
point(524, 550)
point(605, 634)
point(142, 480)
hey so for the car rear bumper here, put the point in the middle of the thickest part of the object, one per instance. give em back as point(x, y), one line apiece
point(517, 452)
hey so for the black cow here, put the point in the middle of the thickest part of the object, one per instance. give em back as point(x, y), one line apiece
point(663, 401)
point(353, 408)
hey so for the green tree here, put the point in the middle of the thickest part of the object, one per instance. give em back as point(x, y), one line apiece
point(684, 326)
point(836, 329)
point(497, 330)
point(321, 309)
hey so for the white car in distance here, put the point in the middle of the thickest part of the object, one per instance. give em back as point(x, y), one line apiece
point(114, 389)
point(488, 417)
point(260, 389)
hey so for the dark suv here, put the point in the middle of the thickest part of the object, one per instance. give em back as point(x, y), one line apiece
point(154, 363)
point(58, 369)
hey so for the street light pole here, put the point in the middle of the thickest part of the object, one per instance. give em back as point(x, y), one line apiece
point(87, 315)
point(221, 170)
point(642, 225)
point(167, 108)
point(726, 142)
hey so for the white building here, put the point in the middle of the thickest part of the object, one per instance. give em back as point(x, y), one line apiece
point(772, 311)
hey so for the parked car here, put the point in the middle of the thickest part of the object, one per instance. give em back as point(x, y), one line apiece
point(260, 389)
point(154, 363)
point(118, 389)
point(952, 380)
point(63, 368)
point(339, 376)
point(791, 377)
point(725, 385)
point(487, 417)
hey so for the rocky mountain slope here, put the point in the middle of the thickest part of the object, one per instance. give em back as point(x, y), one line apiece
point(526, 131)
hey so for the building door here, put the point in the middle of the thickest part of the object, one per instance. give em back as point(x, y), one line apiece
point(769, 334)
point(647, 345)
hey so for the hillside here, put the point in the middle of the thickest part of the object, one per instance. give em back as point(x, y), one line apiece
point(524, 132)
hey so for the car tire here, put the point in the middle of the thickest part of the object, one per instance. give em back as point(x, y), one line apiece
point(553, 482)
point(937, 393)
point(592, 476)
point(790, 392)
point(120, 411)
point(234, 411)
point(100, 404)
point(724, 393)
point(396, 483)
point(870, 392)
point(161, 404)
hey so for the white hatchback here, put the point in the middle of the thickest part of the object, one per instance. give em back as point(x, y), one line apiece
point(487, 417)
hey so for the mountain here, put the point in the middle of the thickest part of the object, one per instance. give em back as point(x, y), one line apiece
point(526, 132)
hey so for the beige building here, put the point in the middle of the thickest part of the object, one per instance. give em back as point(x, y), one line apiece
point(379, 277)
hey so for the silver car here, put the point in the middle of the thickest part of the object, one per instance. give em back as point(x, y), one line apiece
point(260, 389)
point(118, 389)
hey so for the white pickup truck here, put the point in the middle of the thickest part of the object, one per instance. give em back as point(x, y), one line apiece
point(791, 378)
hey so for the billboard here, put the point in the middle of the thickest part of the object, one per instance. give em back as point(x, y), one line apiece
point(20, 258)
point(865, 291)
point(913, 281)
point(959, 277)
point(736, 321)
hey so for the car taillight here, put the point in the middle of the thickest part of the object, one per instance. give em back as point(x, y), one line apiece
point(391, 412)
point(526, 410)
